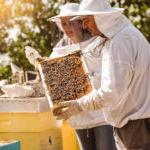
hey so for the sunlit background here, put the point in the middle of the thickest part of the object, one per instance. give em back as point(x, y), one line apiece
point(24, 22)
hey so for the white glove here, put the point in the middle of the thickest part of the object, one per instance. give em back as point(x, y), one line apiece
point(32, 55)
point(67, 109)
point(70, 108)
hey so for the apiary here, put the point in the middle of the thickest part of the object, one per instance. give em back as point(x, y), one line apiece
point(65, 78)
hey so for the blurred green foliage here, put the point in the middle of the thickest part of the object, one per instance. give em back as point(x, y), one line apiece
point(138, 11)
point(30, 18)
point(5, 72)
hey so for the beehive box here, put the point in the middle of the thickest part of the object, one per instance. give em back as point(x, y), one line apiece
point(35, 131)
point(65, 78)
point(9, 145)
point(69, 137)
point(34, 126)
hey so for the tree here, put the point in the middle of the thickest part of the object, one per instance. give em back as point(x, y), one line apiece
point(31, 17)
point(28, 21)
point(138, 11)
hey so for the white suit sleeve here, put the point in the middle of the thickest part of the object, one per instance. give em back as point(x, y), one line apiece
point(117, 72)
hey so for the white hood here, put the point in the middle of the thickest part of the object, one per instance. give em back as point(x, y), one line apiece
point(111, 24)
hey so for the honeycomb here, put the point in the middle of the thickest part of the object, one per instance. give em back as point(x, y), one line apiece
point(65, 78)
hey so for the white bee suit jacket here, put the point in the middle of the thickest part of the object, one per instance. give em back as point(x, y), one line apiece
point(125, 88)
point(88, 119)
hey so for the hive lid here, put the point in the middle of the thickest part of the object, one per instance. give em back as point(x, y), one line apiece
point(23, 105)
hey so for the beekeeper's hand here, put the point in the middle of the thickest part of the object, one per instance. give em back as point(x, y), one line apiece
point(67, 109)
point(32, 55)
point(70, 108)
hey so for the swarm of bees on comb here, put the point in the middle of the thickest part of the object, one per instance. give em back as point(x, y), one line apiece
point(65, 78)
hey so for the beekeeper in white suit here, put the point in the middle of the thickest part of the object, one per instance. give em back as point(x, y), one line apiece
point(94, 133)
point(124, 95)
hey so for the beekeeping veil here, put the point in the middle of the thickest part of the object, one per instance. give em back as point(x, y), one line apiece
point(109, 20)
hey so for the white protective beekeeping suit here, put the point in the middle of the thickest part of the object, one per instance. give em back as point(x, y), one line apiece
point(88, 119)
point(125, 91)
point(125, 71)
point(92, 118)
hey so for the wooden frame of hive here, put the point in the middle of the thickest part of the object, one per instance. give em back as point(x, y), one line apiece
point(65, 78)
